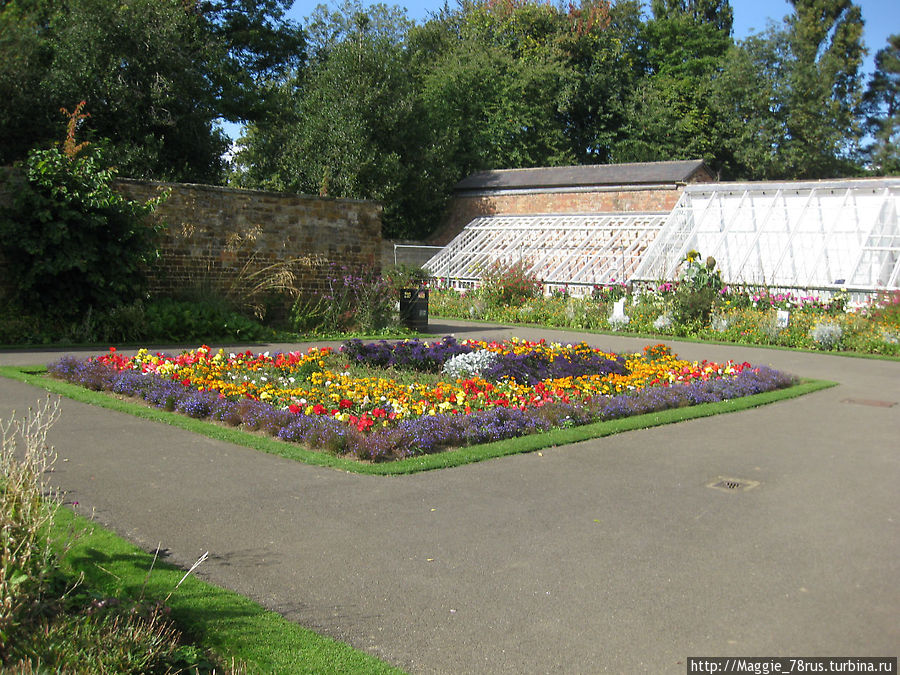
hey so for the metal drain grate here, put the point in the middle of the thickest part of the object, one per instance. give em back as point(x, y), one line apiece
point(732, 484)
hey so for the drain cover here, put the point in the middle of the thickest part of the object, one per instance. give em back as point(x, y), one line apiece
point(732, 484)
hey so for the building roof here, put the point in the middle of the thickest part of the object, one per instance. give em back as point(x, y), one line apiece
point(643, 173)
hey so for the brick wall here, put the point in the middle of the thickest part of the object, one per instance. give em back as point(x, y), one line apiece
point(466, 207)
point(218, 237)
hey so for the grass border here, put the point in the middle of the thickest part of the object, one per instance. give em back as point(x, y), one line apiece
point(213, 617)
point(451, 458)
point(670, 338)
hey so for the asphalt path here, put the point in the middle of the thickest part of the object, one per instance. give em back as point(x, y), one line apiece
point(610, 555)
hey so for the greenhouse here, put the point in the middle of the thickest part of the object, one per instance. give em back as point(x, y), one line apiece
point(825, 235)
point(575, 251)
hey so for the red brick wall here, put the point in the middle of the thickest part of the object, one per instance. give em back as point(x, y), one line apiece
point(463, 209)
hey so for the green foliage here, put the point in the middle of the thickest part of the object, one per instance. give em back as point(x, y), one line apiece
point(189, 321)
point(405, 276)
point(881, 104)
point(509, 285)
point(357, 300)
point(70, 241)
point(789, 98)
point(157, 75)
point(698, 288)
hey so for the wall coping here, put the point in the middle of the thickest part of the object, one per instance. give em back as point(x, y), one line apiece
point(243, 191)
point(465, 194)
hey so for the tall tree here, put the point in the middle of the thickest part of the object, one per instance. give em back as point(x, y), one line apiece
point(790, 97)
point(824, 88)
point(670, 109)
point(603, 50)
point(349, 124)
point(881, 104)
point(156, 75)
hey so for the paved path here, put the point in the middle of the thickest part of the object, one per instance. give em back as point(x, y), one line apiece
point(605, 556)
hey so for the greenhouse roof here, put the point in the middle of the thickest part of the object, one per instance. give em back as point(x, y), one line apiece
point(644, 173)
point(824, 234)
point(579, 249)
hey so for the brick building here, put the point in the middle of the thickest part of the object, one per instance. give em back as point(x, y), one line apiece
point(649, 187)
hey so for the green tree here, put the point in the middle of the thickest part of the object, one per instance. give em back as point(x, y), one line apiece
point(494, 90)
point(789, 98)
point(670, 109)
point(882, 108)
point(824, 88)
point(157, 75)
point(348, 124)
point(604, 52)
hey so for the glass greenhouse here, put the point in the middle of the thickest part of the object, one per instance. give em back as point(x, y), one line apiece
point(823, 235)
point(574, 250)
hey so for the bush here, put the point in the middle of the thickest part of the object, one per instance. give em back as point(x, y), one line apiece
point(827, 335)
point(183, 321)
point(356, 300)
point(509, 285)
point(70, 241)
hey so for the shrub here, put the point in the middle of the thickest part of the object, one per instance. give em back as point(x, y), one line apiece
point(468, 364)
point(70, 241)
point(827, 335)
point(508, 285)
point(356, 299)
point(184, 321)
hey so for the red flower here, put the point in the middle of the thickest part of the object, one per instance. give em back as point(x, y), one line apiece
point(345, 403)
point(295, 409)
point(319, 409)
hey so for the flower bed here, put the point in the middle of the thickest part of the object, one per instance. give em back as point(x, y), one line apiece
point(383, 400)
point(735, 315)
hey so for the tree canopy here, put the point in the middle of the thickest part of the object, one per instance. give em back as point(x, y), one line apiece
point(362, 102)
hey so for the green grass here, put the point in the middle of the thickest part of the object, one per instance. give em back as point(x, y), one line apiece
point(228, 623)
point(476, 453)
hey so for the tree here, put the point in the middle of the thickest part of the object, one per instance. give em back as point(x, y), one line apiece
point(603, 50)
point(670, 109)
point(824, 88)
point(348, 125)
point(789, 98)
point(71, 243)
point(750, 101)
point(157, 75)
point(881, 104)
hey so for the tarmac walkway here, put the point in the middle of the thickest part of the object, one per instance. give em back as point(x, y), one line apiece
point(610, 555)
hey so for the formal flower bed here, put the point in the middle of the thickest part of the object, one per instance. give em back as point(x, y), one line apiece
point(383, 400)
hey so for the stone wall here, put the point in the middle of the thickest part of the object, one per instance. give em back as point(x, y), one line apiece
point(466, 207)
